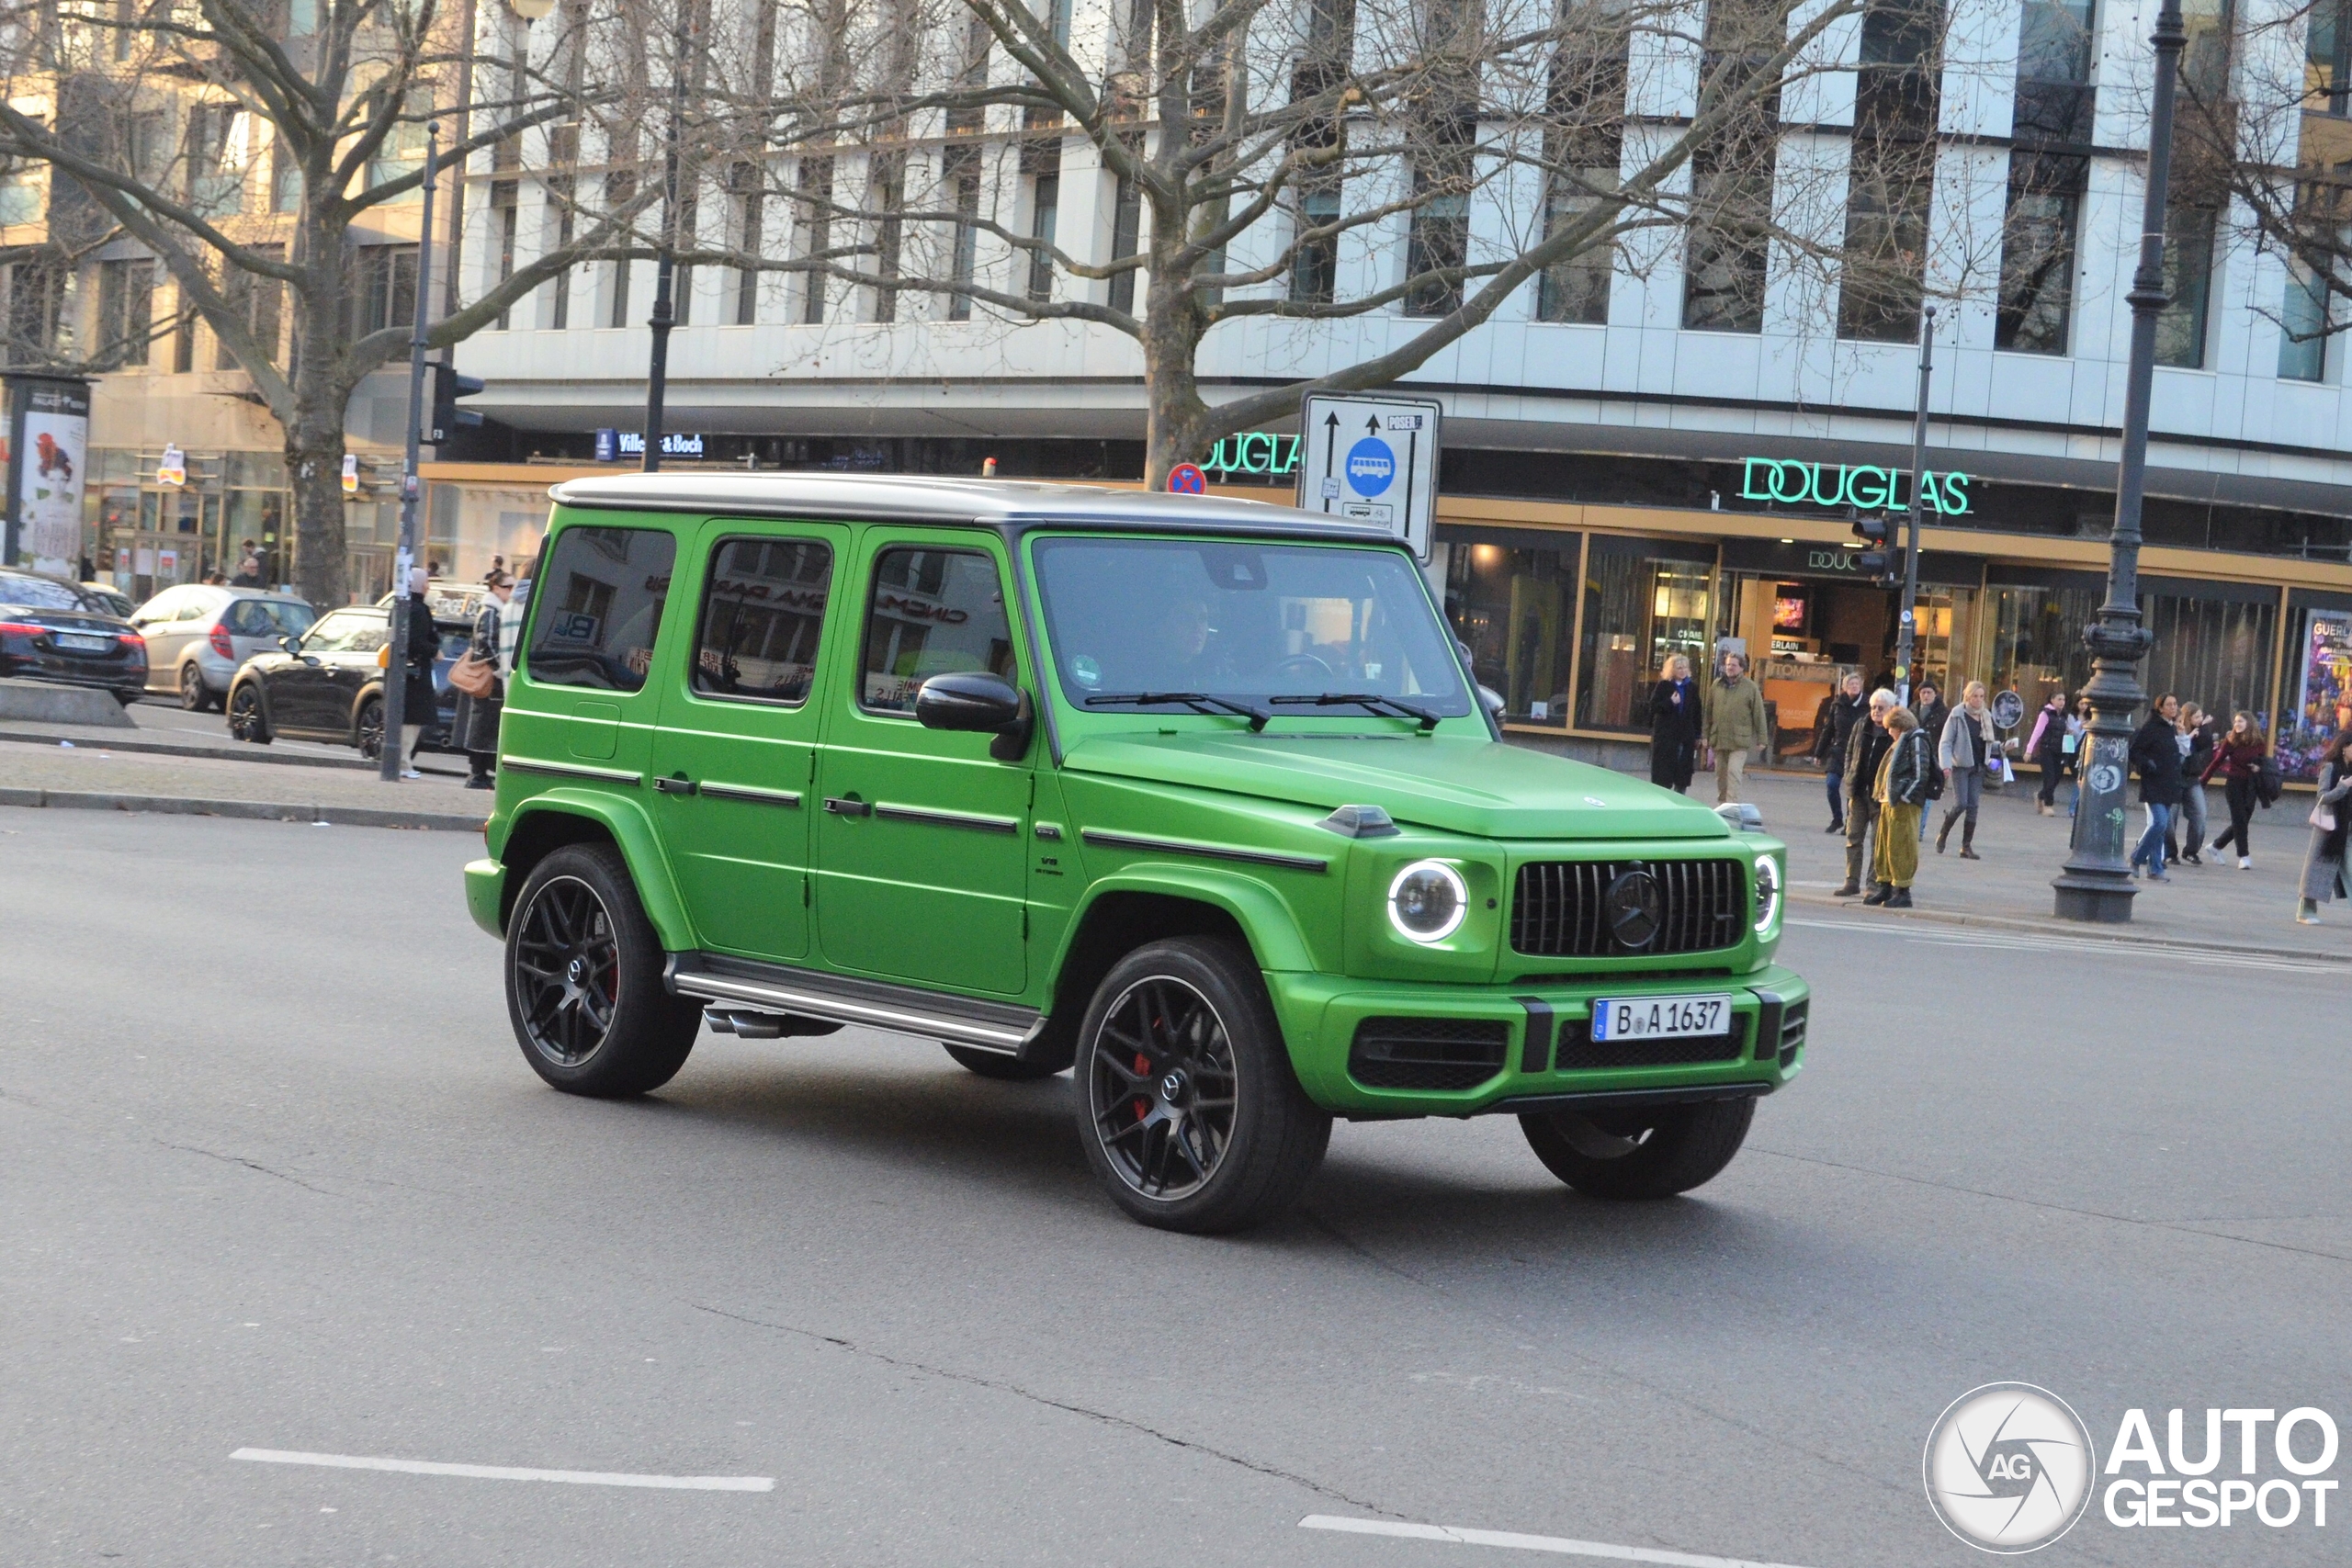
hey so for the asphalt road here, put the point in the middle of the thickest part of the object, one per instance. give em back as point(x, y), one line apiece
point(275, 1178)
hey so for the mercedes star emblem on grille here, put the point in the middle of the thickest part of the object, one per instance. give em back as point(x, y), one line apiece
point(1637, 908)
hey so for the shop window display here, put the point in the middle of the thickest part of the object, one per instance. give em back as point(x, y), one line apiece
point(2319, 683)
point(1513, 603)
point(1643, 600)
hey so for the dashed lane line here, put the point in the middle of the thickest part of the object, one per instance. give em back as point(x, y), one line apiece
point(512, 1472)
point(1559, 1546)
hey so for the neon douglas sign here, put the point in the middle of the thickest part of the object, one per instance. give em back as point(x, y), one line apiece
point(1257, 452)
point(1784, 482)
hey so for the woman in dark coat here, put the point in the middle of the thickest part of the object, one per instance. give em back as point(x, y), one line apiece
point(2155, 752)
point(478, 716)
point(1673, 726)
point(2324, 872)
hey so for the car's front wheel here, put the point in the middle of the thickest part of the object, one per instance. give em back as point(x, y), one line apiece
point(246, 720)
point(1187, 1106)
point(368, 734)
point(584, 979)
point(1656, 1153)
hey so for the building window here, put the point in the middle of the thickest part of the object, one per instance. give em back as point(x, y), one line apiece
point(259, 302)
point(21, 188)
point(817, 230)
point(563, 215)
point(2188, 285)
point(1643, 600)
point(37, 287)
point(401, 153)
point(2327, 58)
point(2038, 252)
point(184, 341)
point(2205, 61)
point(383, 289)
point(125, 313)
point(1513, 599)
point(1577, 289)
point(217, 135)
point(620, 189)
point(889, 185)
point(2303, 326)
point(1126, 239)
point(1314, 260)
point(1583, 142)
point(746, 200)
point(1891, 175)
point(506, 221)
point(2056, 47)
point(1041, 160)
point(1727, 247)
point(960, 171)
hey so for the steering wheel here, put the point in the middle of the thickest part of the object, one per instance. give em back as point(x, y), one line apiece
point(1303, 663)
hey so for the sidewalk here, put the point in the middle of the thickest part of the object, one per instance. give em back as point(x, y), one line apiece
point(2215, 906)
point(94, 772)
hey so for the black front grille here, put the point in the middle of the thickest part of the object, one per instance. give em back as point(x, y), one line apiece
point(1559, 908)
point(1427, 1053)
point(1580, 1050)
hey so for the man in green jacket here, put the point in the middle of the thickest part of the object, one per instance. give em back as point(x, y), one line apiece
point(1734, 725)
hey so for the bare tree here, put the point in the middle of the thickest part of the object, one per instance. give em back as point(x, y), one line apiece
point(1267, 160)
point(254, 149)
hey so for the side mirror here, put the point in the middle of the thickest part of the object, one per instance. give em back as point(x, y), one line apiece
point(1491, 700)
point(291, 644)
point(1742, 816)
point(976, 701)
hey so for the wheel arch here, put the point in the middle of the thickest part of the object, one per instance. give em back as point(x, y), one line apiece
point(550, 820)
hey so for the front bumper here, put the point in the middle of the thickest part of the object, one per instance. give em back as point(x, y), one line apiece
point(1321, 1015)
point(485, 895)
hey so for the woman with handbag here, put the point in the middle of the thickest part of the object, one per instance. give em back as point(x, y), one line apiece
point(2238, 759)
point(2323, 874)
point(480, 678)
point(1969, 754)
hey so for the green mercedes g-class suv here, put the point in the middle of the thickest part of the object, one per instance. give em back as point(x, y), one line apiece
point(1197, 796)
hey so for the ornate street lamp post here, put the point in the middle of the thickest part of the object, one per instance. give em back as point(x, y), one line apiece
point(2096, 882)
point(657, 380)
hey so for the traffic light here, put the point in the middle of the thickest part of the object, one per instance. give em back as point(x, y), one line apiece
point(1878, 553)
point(446, 417)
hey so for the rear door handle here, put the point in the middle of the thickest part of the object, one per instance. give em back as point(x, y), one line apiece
point(843, 805)
point(677, 785)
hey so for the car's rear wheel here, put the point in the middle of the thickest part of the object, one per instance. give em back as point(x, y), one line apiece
point(1187, 1106)
point(1656, 1153)
point(993, 1064)
point(584, 979)
point(368, 736)
point(246, 720)
point(194, 696)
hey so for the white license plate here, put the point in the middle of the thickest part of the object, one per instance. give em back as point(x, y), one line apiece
point(1660, 1018)
point(73, 643)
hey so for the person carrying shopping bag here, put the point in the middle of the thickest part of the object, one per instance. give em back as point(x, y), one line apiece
point(1966, 750)
point(480, 678)
point(2323, 874)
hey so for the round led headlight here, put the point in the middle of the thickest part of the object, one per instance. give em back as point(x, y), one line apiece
point(1767, 892)
point(1427, 901)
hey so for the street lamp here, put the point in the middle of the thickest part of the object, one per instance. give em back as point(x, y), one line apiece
point(657, 378)
point(396, 675)
point(1907, 637)
point(2096, 882)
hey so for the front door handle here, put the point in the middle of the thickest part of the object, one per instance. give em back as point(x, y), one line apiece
point(845, 806)
point(677, 783)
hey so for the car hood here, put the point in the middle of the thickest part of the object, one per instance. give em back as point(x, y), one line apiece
point(1458, 785)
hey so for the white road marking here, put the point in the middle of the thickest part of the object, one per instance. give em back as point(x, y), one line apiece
point(2019, 942)
point(513, 1472)
point(1557, 1545)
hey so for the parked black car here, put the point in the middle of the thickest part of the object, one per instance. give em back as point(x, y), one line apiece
point(55, 630)
point(328, 683)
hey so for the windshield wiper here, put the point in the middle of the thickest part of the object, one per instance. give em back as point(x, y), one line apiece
point(1199, 702)
point(1372, 700)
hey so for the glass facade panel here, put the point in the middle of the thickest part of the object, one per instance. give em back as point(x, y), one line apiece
point(1643, 599)
point(2217, 653)
point(1516, 609)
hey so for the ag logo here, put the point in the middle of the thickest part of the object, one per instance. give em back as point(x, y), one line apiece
point(2009, 1467)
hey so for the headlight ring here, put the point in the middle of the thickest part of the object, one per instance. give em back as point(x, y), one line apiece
point(1427, 901)
point(1767, 892)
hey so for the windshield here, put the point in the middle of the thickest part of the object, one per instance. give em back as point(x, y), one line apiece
point(1266, 626)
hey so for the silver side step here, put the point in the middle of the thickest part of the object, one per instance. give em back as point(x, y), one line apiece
point(743, 987)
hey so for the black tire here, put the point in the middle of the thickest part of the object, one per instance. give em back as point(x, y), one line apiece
point(247, 719)
point(584, 979)
point(1005, 1070)
point(127, 698)
point(1641, 1154)
point(194, 695)
point(1186, 1103)
point(368, 731)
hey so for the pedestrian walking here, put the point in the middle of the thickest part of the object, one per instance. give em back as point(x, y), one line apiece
point(420, 703)
point(1673, 726)
point(1902, 793)
point(1934, 712)
point(2050, 750)
point(495, 627)
point(1966, 748)
point(2155, 752)
point(2198, 737)
point(1845, 710)
point(2323, 874)
point(2238, 759)
point(1865, 748)
point(1733, 725)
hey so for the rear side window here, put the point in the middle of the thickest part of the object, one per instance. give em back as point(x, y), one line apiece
point(933, 612)
point(763, 611)
point(599, 607)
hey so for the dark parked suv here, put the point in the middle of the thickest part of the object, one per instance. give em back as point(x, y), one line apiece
point(55, 630)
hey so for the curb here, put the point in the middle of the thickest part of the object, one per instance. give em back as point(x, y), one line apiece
point(174, 749)
point(251, 810)
point(2121, 935)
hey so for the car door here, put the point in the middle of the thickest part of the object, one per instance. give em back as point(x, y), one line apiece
point(351, 665)
point(301, 689)
point(920, 839)
point(158, 622)
point(736, 764)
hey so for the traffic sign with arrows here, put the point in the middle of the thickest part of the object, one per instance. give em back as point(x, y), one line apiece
point(1372, 459)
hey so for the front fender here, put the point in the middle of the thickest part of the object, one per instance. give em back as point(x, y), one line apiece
point(631, 830)
point(1261, 913)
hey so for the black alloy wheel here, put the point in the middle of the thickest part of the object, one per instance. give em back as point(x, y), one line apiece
point(246, 721)
point(193, 695)
point(1188, 1111)
point(1634, 1155)
point(368, 736)
point(584, 979)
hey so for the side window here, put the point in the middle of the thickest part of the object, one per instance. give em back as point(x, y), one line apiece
point(600, 607)
point(334, 635)
point(933, 611)
point(763, 610)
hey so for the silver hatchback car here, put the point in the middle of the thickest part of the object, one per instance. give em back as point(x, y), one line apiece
point(198, 633)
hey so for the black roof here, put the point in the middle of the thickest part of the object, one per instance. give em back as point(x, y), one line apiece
point(1013, 506)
